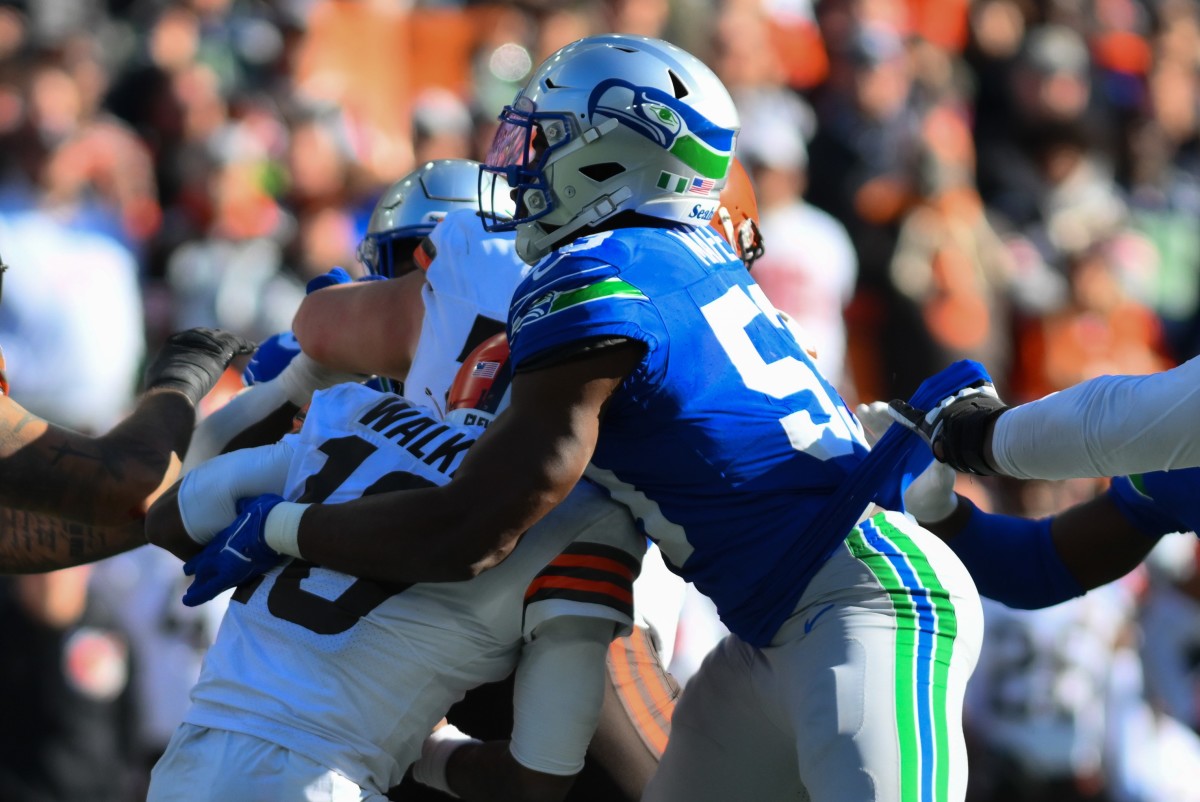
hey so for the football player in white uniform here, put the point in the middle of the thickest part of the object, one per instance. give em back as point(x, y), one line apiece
point(319, 681)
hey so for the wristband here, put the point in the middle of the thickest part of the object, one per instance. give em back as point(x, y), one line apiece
point(963, 435)
point(430, 768)
point(281, 530)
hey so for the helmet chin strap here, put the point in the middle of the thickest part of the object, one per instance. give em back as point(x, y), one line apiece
point(597, 210)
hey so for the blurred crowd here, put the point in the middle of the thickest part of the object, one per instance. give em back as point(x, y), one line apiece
point(1013, 181)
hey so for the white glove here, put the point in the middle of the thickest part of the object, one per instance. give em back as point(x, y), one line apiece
point(875, 420)
point(930, 498)
point(430, 768)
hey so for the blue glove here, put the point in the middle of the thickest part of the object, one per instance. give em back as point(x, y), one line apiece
point(271, 357)
point(236, 554)
point(336, 276)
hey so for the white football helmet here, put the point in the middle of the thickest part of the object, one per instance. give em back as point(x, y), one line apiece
point(410, 208)
point(610, 124)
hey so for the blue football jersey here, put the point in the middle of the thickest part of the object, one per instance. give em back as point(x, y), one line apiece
point(1160, 502)
point(725, 439)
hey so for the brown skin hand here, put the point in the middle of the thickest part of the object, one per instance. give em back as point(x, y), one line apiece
point(525, 464)
point(386, 318)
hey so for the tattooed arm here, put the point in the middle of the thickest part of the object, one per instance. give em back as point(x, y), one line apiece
point(103, 481)
point(107, 481)
point(33, 543)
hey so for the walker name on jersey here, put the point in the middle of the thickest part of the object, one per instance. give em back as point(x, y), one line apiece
point(439, 445)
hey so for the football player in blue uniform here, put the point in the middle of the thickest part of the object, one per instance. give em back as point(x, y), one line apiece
point(648, 358)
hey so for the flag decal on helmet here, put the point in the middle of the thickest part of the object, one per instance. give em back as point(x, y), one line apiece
point(485, 370)
point(672, 183)
point(678, 128)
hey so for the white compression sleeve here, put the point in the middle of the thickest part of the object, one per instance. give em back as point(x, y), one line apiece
point(559, 690)
point(1107, 426)
point(208, 495)
point(295, 384)
point(244, 410)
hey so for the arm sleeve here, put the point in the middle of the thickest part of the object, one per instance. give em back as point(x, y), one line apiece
point(1014, 561)
point(294, 385)
point(208, 495)
point(558, 692)
point(1107, 426)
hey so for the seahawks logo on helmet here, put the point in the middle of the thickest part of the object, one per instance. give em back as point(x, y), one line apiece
point(676, 127)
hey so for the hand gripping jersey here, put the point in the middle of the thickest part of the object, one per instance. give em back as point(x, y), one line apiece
point(353, 674)
point(725, 439)
point(469, 281)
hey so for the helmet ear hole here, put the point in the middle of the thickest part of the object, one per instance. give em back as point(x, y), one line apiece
point(681, 90)
point(603, 171)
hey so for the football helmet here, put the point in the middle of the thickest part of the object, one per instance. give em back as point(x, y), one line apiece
point(480, 390)
point(410, 208)
point(610, 124)
point(737, 217)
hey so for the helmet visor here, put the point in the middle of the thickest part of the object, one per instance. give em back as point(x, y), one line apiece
point(518, 155)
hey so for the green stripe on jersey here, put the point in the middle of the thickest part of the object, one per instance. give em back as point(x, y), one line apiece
point(608, 288)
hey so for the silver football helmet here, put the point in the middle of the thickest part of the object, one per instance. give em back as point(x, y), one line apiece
point(410, 208)
point(609, 124)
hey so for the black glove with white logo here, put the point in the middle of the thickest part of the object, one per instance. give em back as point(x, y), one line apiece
point(956, 429)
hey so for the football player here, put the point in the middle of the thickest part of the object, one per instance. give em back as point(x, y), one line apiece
point(450, 282)
point(69, 498)
point(645, 355)
point(319, 680)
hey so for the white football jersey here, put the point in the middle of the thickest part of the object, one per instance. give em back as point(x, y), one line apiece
point(468, 286)
point(353, 673)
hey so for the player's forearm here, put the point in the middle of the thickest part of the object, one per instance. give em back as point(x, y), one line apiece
point(1097, 543)
point(1108, 426)
point(413, 536)
point(33, 543)
point(448, 533)
point(106, 480)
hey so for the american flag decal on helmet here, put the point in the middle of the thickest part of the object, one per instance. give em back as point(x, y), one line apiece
point(485, 370)
point(701, 186)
